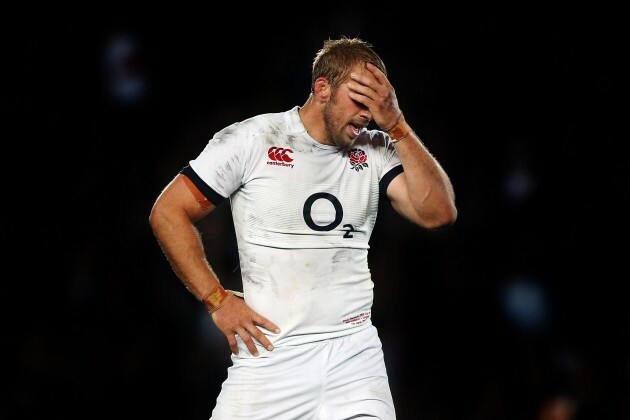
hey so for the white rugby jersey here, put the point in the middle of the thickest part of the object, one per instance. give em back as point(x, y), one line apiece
point(303, 214)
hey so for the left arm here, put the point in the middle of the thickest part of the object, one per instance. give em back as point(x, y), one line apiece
point(423, 193)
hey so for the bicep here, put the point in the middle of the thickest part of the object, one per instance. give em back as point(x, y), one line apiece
point(398, 195)
point(182, 196)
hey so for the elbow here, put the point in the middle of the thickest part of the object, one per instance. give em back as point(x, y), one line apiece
point(156, 217)
point(449, 216)
point(153, 219)
point(444, 218)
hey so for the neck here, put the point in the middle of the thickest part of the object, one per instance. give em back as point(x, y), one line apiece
point(311, 114)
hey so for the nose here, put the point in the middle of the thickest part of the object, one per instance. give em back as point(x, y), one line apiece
point(366, 115)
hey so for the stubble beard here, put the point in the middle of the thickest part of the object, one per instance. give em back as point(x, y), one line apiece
point(331, 123)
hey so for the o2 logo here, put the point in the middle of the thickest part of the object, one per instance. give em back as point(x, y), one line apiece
point(308, 206)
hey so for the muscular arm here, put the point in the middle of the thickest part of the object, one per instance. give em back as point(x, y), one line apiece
point(423, 192)
point(172, 220)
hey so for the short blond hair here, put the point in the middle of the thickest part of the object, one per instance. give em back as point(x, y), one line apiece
point(338, 57)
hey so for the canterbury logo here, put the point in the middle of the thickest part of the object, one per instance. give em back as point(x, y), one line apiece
point(279, 154)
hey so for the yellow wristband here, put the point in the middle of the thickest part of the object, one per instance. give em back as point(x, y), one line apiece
point(216, 298)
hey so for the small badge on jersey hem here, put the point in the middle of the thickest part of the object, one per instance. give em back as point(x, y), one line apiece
point(279, 156)
point(358, 159)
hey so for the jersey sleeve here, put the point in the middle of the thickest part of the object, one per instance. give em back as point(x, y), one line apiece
point(391, 166)
point(219, 169)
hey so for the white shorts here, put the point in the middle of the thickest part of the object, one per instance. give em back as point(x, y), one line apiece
point(342, 378)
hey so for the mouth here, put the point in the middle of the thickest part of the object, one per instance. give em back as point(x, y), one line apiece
point(355, 129)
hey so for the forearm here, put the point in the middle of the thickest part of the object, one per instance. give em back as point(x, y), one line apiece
point(182, 245)
point(429, 188)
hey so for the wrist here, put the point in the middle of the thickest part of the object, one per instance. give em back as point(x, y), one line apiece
point(399, 131)
point(216, 298)
point(391, 127)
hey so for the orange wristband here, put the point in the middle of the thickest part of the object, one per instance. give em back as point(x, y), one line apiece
point(216, 298)
point(394, 141)
point(396, 132)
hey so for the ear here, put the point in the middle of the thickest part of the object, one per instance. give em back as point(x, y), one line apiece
point(321, 88)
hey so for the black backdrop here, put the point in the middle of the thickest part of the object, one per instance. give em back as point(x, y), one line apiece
point(517, 305)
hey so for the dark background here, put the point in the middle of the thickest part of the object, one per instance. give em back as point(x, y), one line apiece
point(519, 305)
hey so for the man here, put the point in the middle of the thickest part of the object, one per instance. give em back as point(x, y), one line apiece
point(304, 187)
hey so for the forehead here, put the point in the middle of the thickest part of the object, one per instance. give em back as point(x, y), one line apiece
point(360, 68)
point(357, 68)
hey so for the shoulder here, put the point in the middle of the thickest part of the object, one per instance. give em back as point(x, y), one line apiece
point(256, 126)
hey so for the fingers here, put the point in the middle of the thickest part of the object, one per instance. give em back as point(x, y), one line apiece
point(378, 74)
point(363, 85)
point(376, 93)
point(233, 343)
point(362, 90)
point(247, 339)
point(265, 323)
point(260, 336)
point(373, 90)
point(251, 334)
point(236, 319)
